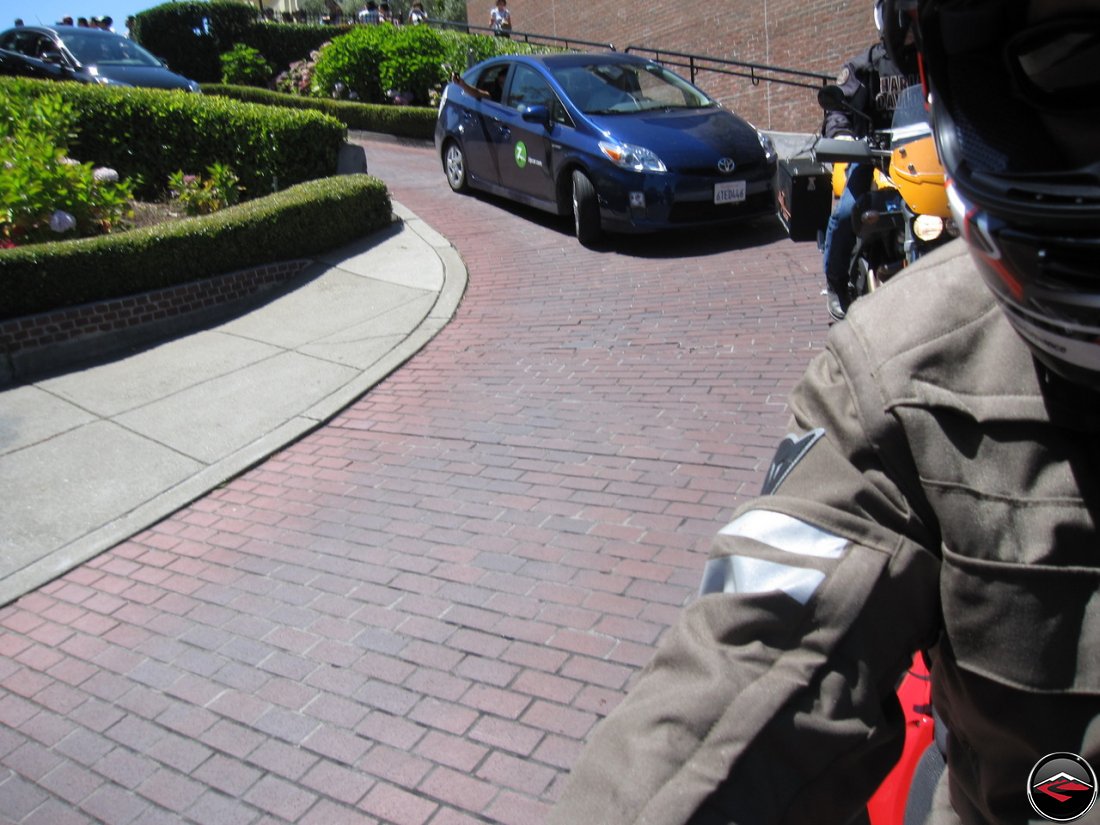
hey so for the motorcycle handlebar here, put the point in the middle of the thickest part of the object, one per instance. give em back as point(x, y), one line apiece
point(832, 150)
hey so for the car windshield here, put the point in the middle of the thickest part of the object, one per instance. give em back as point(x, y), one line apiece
point(601, 88)
point(96, 50)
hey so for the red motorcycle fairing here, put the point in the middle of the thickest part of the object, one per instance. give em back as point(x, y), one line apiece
point(887, 805)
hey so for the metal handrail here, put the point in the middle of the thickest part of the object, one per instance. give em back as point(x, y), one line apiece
point(662, 55)
point(755, 72)
point(526, 37)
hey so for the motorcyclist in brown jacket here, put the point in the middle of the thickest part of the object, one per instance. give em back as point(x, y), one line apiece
point(940, 491)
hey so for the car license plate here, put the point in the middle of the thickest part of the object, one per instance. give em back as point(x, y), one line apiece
point(732, 191)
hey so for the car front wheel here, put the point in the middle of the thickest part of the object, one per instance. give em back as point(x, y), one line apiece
point(586, 210)
point(454, 164)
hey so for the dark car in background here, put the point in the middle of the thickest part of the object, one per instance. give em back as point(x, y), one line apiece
point(85, 55)
point(616, 140)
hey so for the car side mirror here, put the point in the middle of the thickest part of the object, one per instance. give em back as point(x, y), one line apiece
point(831, 98)
point(537, 114)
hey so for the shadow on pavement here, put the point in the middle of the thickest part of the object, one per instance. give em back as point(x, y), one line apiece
point(673, 243)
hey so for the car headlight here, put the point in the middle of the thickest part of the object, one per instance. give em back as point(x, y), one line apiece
point(769, 148)
point(192, 86)
point(628, 156)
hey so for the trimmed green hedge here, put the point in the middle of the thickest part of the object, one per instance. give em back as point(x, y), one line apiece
point(298, 222)
point(149, 134)
point(369, 60)
point(189, 36)
point(284, 43)
point(402, 121)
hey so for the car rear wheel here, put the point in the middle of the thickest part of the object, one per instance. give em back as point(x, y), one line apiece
point(454, 164)
point(586, 210)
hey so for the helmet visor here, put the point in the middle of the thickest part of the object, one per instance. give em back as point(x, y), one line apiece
point(1056, 65)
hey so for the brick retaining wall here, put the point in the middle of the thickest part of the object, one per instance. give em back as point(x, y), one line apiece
point(30, 339)
point(809, 35)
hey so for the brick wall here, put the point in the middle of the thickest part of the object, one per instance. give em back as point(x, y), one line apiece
point(29, 339)
point(809, 35)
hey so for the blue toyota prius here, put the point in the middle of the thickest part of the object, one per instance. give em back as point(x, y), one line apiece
point(616, 140)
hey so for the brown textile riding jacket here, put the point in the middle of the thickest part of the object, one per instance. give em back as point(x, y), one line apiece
point(936, 494)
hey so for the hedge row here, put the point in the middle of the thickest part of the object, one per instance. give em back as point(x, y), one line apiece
point(189, 36)
point(303, 220)
point(414, 60)
point(149, 134)
point(284, 43)
point(401, 121)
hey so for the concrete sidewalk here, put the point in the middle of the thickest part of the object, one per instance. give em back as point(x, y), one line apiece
point(90, 457)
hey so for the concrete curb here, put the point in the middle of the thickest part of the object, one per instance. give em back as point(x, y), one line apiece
point(148, 512)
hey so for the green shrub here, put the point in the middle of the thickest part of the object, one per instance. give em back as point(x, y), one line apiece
point(401, 121)
point(370, 60)
point(201, 196)
point(285, 43)
point(354, 60)
point(245, 66)
point(298, 222)
point(44, 193)
point(298, 77)
point(149, 133)
point(412, 61)
point(190, 35)
point(465, 48)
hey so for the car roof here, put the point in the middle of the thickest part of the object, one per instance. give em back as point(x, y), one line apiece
point(61, 31)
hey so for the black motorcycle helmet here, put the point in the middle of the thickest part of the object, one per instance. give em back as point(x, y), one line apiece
point(1015, 95)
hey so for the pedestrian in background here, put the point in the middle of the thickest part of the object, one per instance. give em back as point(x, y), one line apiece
point(369, 13)
point(500, 19)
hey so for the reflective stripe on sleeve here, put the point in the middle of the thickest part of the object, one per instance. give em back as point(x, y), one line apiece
point(745, 574)
point(785, 533)
point(741, 574)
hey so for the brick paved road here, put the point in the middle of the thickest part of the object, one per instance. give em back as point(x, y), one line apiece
point(417, 613)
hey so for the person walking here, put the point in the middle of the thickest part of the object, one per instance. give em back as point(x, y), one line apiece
point(369, 13)
point(500, 19)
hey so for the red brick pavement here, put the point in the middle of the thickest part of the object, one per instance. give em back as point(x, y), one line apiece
point(417, 613)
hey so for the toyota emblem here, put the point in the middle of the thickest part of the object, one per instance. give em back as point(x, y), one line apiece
point(726, 165)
